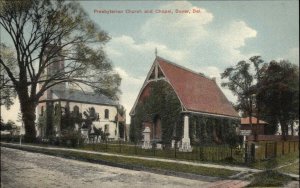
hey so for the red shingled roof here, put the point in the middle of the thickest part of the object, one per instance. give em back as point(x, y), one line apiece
point(196, 92)
point(246, 121)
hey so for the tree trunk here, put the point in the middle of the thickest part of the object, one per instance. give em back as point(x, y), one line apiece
point(284, 129)
point(250, 117)
point(257, 122)
point(28, 115)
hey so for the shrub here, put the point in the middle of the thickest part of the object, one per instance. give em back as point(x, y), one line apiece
point(71, 139)
point(10, 138)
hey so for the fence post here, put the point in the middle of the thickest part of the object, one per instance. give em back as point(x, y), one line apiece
point(275, 145)
point(246, 152)
point(266, 151)
point(175, 149)
point(93, 146)
point(253, 152)
point(198, 152)
point(106, 144)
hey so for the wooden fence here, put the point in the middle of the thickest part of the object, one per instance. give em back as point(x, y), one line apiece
point(269, 146)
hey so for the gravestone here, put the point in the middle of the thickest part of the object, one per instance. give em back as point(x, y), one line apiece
point(84, 133)
point(158, 146)
point(172, 144)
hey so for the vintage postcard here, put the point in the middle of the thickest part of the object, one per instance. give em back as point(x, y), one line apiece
point(149, 93)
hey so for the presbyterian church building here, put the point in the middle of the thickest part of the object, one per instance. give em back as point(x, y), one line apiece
point(198, 95)
point(59, 98)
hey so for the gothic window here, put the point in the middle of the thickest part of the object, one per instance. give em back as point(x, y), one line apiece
point(76, 110)
point(56, 108)
point(42, 110)
point(92, 112)
point(106, 114)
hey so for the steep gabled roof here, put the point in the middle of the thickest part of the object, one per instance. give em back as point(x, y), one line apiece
point(196, 92)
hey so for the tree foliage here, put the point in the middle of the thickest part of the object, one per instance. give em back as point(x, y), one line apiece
point(58, 119)
point(44, 32)
point(7, 94)
point(8, 126)
point(90, 115)
point(279, 94)
point(268, 90)
point(242, 80)
point(121, 110)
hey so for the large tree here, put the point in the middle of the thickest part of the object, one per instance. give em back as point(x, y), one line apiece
point(44, 32)
point(279, 94)
point(242, 80)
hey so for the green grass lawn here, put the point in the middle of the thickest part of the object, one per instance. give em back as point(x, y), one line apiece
point(276, 162)
point(158, 165)
point(207, 154)
point(291, 169)
point(269, 179)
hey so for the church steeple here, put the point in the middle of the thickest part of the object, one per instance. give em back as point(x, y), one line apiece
point(56, 66)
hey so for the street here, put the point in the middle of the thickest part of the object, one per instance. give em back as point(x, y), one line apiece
point(26, 169)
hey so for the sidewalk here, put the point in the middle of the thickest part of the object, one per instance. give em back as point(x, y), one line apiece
point(235, 168)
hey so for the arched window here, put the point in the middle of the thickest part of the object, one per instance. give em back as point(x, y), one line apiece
point(93, 112)
point(42, 110)
point(55, 109)
point(106, 114)
point(76, 110)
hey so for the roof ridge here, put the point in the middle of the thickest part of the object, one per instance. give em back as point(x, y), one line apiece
point(79, 91)
point(87, 94)
point(85, 97)
point(186, 69)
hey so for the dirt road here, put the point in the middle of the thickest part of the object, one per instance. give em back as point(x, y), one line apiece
point(26, 169)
